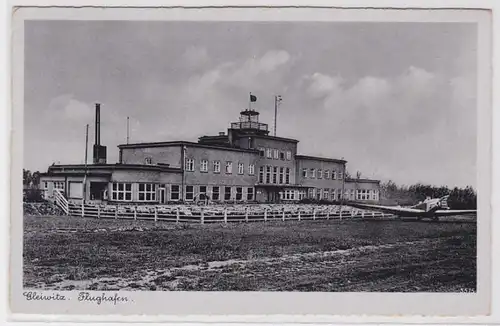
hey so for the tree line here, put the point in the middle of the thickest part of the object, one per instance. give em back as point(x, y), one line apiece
point(31, 179)
point(460, 198)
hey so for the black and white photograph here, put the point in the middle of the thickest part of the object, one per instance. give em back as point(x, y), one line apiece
point(270, 156)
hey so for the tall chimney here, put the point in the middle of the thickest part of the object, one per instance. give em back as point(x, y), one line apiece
point(98, 124)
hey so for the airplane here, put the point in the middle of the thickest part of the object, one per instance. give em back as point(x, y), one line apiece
point(432, 208)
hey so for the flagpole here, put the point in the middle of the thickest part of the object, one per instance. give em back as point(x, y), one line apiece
point(250, 102)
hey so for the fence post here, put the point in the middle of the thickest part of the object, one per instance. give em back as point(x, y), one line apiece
point(202, 216)
point(340, 213)
point(327, 214)
point(177, 217)
point(116, 211)
point(265, 214)
point(382, 214)
point(225, 215)
point(283, 214)
point(99, 211)
point(135, 212)
point(246, 214)
point(156, 214)
point(83, 208)
point(363, 214)
point(299, 214)
point(373, 214)
point(314, 214)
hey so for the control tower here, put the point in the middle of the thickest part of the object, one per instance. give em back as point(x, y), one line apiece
point(249, 124)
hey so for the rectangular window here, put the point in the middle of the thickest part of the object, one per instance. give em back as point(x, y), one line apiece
point(288, 155)
point(276, 154)
point(304, 173)
point(204, 166)
point(269, 153)
point(313, 173)
point(275, 174)
point(227, 193)
point(229, 167)
point(327, 174)
point(251, 169)
point(333, 194)
point(334, 175)
point(59, 185)
point(215, 193)
point(282, 175)
point(189, 166)
point(203, 192)
point(320, 174)
point(325, 194)
point(45, 185)
point(261, 174)
point(147, 192)
point(287, 176)
point(340, 176)
point(175, 192)
point(250, 193)
point(261, 152)
point(241, 168)
point(282, 156)
point(353, 196)
point(239, 193)
point(216, 166)
point(121, 191)
point(189, 192)
point(268, 174)
point(339, 194)
point(311, 193)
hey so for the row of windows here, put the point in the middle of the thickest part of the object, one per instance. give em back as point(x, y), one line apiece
point(149, 192)
point(275, 154)
point(274, 175)
point(214, 193)
point(57, 185)
point(311, 173)
point(216, 167)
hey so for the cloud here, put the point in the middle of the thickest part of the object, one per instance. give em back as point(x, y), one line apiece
point(68, 108)
point(195, 57)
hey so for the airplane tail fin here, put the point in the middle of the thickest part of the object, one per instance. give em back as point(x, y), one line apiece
point(443, 202)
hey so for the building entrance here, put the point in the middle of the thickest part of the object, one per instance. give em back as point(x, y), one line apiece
point(98, 191)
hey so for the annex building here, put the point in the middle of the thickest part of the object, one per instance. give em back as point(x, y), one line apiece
point(244, 164)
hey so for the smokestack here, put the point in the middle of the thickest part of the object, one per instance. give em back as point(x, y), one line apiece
point(98, 124)
point(99, 151)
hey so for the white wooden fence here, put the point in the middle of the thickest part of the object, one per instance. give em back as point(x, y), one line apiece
point(195, 214)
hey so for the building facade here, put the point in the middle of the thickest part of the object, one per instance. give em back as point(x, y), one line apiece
point(244, 164)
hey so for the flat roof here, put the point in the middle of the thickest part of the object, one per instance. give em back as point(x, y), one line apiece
point(362, 180)
point(316, 158)
point(111, 167)
point(184, 143)
point(272, 137)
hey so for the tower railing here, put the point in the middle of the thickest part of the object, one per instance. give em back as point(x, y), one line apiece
point(249, 125)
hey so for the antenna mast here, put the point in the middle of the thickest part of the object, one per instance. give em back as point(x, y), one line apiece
point(277, 101)
point(127, 129)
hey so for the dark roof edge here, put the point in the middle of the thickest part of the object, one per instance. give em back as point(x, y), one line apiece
point(272, 137)
point(117, 166)
point(362, 180)
point(307, 157)
point(180, 143)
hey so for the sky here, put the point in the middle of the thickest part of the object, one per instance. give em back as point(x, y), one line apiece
point(396, 100)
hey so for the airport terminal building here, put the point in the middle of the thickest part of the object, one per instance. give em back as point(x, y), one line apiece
point(244, 164)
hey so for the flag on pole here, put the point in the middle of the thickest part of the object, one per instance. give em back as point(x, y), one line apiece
point(253, 98)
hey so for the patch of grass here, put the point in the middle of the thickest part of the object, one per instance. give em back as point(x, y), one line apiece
point(445, 249)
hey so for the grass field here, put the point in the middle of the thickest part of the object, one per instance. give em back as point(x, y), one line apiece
point(321, 255)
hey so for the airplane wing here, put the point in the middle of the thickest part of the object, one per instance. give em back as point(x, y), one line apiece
point(389, 209)
point(451, 212)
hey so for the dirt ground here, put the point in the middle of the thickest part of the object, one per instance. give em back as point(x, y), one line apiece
point(68, 253)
